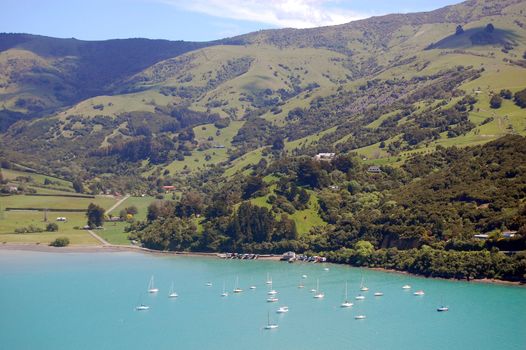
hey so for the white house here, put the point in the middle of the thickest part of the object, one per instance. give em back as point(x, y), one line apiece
point(324, 156)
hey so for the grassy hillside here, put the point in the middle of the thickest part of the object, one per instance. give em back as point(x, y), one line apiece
point(367, 86)
point(41, 74)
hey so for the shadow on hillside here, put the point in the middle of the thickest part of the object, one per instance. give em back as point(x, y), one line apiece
point(476, 37)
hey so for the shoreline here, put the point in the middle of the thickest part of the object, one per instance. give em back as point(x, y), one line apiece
point(476, 280)
point(111, 248)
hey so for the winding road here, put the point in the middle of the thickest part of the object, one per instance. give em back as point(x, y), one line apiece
point(96, 236)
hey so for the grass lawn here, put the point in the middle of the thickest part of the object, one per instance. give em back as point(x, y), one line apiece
point(52, 202)
point(37, 179)
point(114, 231)
point(304, 219)
point(11, 220)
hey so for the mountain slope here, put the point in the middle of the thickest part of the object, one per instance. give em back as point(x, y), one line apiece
point(386, 87)
point(40, 74)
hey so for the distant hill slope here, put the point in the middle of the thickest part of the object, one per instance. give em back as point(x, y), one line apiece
point(39, 74)
point(385, 87)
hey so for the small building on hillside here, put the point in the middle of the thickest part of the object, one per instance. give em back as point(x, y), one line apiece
point(12, 187)
point(168, 188)
point(373, 169)
point(324, 157)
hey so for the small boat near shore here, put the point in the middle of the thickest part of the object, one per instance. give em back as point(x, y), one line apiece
point(407, 286)
point(359, 297)
point(359, 317)
point(142, 307)
point(419, 293)
point(272, 300)
point(363, 288)
point(378, 294)
point(442, 308)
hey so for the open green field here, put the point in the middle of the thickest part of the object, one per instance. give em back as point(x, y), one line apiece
point(11, 220)
point(37, 179)
point(304, 219)
point(216, 137)
point(54, 202)
point(114, 231)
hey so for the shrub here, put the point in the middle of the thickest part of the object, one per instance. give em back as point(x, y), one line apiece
point(60, 242)
point(520, 98)
point(495, 102)
point(506, 94)
point(52, 227)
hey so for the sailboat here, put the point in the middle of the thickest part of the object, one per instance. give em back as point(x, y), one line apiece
point(270, 325)
point(271, 291)
point(142, 307)
point(346, 302)
point(172, 294)
point(318, 295)
point(225, 293)
point(269, 279)
point(151, 287)
point(283, 310)
point(442, 307)
point(363, 288)
point(237, 289)
point(301, 285)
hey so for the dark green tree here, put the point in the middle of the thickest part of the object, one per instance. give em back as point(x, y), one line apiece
point(95, 215)
point(78, 186)
point(506, 94)
point(490, 28)
point(52, 227)
point(495, 101)
point(520, 98)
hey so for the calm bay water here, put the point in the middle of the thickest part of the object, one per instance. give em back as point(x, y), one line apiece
point(87, 301)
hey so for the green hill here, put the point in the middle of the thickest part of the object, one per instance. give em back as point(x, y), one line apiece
point(386, 87)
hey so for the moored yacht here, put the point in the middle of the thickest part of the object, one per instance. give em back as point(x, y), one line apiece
point(346, 302)
point(270, 325)
point(283, 309)
point(151, 287)
point(319, 294)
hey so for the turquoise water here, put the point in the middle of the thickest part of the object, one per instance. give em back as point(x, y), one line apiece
point(87, 301)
